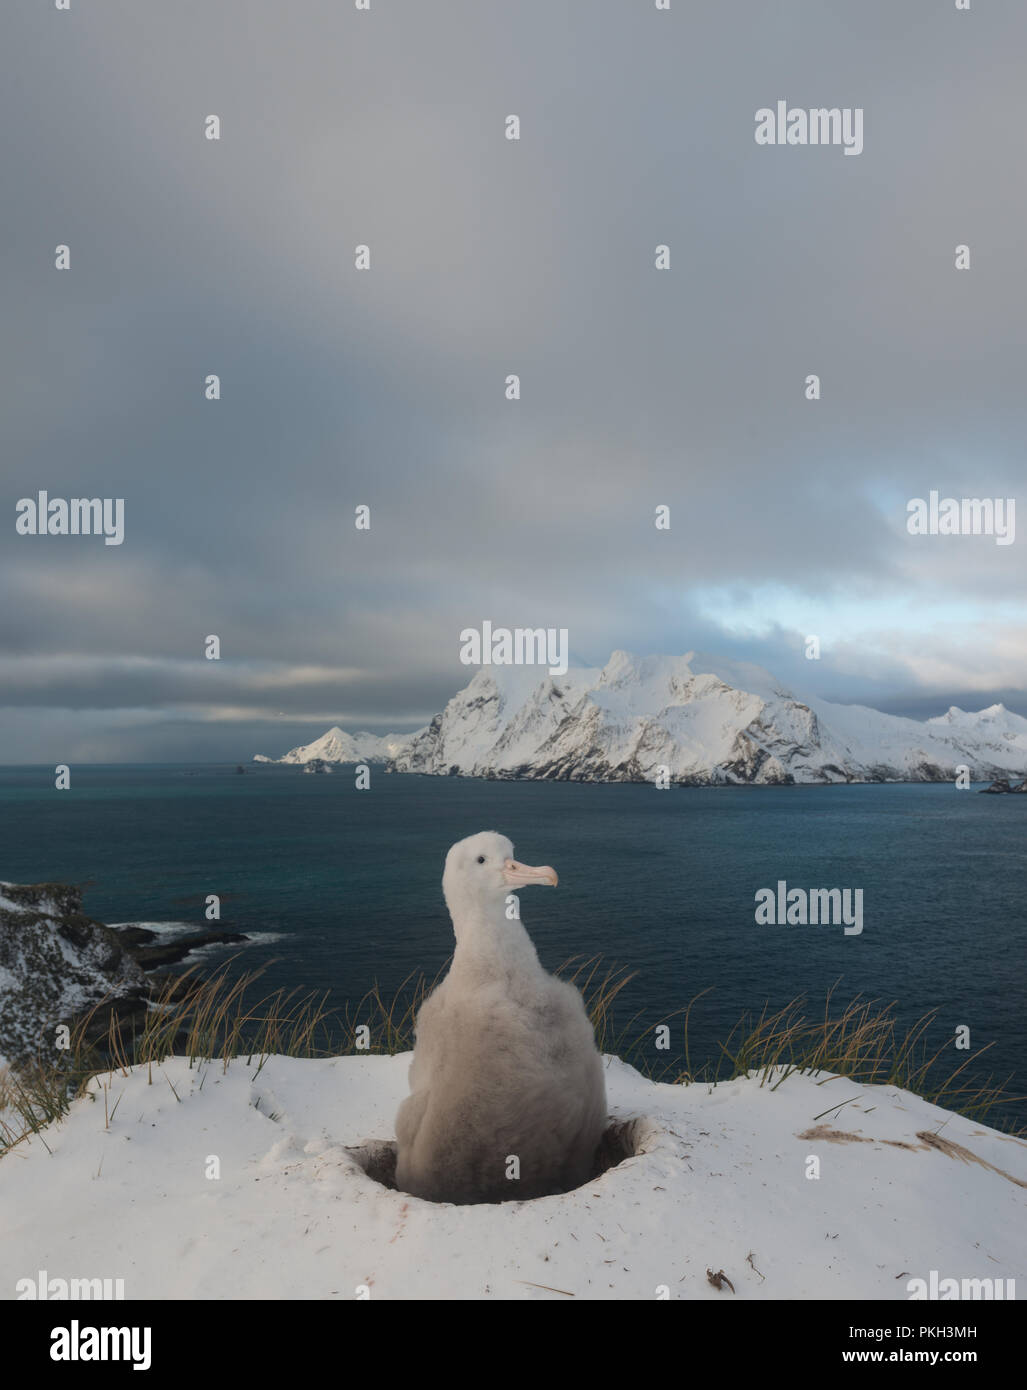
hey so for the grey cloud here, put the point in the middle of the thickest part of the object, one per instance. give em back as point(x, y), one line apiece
point(488, 258)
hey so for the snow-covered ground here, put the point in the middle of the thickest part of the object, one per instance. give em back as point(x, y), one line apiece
point(721, 1183)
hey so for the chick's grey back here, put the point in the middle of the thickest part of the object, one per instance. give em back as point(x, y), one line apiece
point(497, 1076)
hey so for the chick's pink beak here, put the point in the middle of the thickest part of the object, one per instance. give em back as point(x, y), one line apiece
point(522, 875)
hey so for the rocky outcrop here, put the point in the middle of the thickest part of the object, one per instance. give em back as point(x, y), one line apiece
point(55, 962)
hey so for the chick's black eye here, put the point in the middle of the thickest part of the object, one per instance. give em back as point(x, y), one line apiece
point(481, 859)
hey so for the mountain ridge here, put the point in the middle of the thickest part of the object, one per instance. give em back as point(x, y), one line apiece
point(694, 720)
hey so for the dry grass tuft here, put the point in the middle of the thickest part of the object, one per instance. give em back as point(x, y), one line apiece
point(217, 1018)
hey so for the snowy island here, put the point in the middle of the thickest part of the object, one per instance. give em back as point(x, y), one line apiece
point(690, 720)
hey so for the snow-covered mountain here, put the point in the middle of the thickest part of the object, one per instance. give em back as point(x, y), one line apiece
point(336, 746)
point(705, 720)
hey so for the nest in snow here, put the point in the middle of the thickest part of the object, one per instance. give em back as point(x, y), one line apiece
point(621, 1140)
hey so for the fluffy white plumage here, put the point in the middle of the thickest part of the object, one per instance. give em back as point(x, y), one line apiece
point(505, 1062)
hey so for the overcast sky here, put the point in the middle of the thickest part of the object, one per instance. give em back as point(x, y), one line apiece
point(386, 387)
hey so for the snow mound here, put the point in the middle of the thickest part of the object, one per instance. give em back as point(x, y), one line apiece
point(259, 1182)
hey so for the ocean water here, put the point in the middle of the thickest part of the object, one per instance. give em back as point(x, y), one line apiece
point(341, 887)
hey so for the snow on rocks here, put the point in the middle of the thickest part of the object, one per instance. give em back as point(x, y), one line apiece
point(54, 962)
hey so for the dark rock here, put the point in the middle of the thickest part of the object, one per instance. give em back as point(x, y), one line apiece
point(135, 936)
point(169, 952)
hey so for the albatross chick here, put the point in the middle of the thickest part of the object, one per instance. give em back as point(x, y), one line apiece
point(507, 1097)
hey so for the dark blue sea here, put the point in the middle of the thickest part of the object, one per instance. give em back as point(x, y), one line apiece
point(341, 888)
